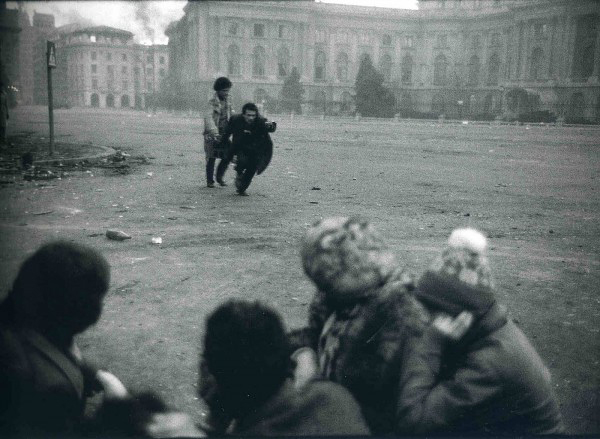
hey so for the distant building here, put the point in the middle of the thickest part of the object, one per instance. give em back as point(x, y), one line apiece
point(458, 58)
point(101, 66)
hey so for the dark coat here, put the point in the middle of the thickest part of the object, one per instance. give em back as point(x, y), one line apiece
point(252, 141)
point(491, 382)
point(369, 335)
point(319, 408)
point(41, 387)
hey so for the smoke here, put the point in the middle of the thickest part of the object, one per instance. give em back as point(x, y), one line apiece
point(143, 12)
point(74, 16)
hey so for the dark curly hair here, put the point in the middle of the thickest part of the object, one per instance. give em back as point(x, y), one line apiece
point(246, 349)
point(221, 83)
point(58, 291)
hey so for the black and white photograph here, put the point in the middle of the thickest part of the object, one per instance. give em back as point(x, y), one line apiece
point(299, 218)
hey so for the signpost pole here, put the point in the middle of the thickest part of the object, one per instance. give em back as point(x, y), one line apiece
point(51, 63)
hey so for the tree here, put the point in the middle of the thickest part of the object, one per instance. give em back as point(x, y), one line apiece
point(291, 93)
point(373, 99)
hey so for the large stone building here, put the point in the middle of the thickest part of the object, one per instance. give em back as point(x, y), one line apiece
point(458, 58)
point(101, 66)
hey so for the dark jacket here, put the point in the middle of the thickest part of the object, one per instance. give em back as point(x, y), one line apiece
point(362, 342)
point(491, 382)
point(42, 388)
point(253, 141)
point(320, 408)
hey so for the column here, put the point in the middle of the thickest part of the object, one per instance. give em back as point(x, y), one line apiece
point(596, 74)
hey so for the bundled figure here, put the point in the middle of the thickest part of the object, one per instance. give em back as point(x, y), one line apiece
point(245, 379)
point(44, 381)
point(215, 121)
point(362, 317)
point(251, 143)
point(473, 371)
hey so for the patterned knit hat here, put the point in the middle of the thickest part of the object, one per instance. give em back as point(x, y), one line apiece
point(346, 257)
point(460, 278)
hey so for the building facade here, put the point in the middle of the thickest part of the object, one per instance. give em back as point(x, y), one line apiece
point(101, 66)
point(458, 58)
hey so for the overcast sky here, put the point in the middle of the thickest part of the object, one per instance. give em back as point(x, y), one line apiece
point(147, 20)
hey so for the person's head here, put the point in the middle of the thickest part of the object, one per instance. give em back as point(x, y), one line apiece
point(459, 279)
point(250, 112)
point(247, 351)
point(222, 86)
point(346, 258)
point(58, 290)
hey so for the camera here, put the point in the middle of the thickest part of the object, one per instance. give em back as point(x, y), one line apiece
point(271, 126)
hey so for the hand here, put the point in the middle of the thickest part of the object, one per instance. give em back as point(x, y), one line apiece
point(306, 366)
point(453, 328)
point(113, 387)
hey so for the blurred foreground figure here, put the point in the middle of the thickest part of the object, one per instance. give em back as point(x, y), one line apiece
point(473, 371)
point(245, 380)
point(44, 381)
point(362, 316)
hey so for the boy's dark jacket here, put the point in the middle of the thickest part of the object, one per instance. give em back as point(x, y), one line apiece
point(250, 140)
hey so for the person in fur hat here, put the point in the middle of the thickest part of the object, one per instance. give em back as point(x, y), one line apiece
point(473, 371)
point(362, 315)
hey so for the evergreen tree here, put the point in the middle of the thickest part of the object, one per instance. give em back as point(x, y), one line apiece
point(373, 99)
point(291, 93)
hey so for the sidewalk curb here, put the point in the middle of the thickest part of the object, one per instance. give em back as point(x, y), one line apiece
point(107, 152)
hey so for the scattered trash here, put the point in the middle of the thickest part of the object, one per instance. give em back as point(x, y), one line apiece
point(467, 214)
point(157, 240)
point(187, 207)
point(149, 174)
point(46, 212)
point(172, 218)
point(354, 178)
point(93, 235)
point(313, 202)
point(465, 122)
point(117, 235)
point(315, 188)
point(223, 221)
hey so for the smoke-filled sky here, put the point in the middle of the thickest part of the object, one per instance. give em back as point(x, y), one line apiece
point(147, 20)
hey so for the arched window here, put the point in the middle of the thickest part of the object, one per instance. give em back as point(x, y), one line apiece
point(320, 102)
point(341, 64)
point(94, 100)
point(385, 67)
point(493, 69)
point(233, 60)
point(346, 102)
point(125, 101)
point(283, 62)
point(405, 103)
point(386, 40)
point(473, 78)
point(110, 101)
point(258, 61)
point(440, 67)
point(537, 57)
point(320, 65)
point(407, 68)
point(260, 96)
point(438, 105)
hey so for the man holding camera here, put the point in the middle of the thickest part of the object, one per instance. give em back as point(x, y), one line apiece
point(251, 143)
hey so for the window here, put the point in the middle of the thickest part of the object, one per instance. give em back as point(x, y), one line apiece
point(341, 64)
point(94, 68)
point(123, 57)
point(473, 78)
point(94, 84)
point(123, 70)
point(136, 72)
point(283, 62)
point(386, 40)
point(138, 59)
point(149, 71)
point(442, 40)
point(233, 60)
point(137, 84)
point(438, 106)
point(149, 86)
point(342, 36)
point(281, 31)
point(320, 36)
point(108, 56)
point(476, 41)
point(407, 67)
point(408, 41)
point(93, 38)
point(540, 30)
point(363, 38)
point(124, 85)
point(149, 58)
point(535, 71)
point(110, 71)
point(440, 67)
point(385, 67)
point(161, 60)
point(258, 61)
point(259, 30)
point(232, 29)
point(493, 69)
point(320, 63)
point(161, 73)
point(94, 55)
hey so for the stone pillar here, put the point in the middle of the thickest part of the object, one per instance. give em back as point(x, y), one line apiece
point(596, 74)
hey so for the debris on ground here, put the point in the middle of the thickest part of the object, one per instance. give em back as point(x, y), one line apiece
point(117, 235)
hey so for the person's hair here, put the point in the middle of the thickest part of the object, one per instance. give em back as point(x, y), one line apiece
point(247, 351)
point(250, 106)
point(221, 83)
point(58, 291)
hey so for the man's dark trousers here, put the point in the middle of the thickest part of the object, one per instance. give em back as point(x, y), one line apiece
point(210, 170)
point(246, 169)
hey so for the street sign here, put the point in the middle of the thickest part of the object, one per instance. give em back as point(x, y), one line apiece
point(51, 53)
